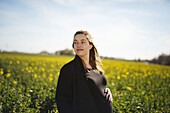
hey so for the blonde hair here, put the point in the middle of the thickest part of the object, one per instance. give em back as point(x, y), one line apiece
point(94, 58)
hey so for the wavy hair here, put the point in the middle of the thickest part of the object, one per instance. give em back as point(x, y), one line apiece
point(94, 58)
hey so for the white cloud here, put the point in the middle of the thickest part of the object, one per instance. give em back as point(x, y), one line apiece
point(53, 27)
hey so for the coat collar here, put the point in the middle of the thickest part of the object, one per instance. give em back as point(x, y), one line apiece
point(79, 63)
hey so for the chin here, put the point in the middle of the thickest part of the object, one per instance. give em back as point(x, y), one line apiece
point(80, 54)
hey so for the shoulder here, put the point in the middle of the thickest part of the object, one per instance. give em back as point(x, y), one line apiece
point(68, 66)
point(66, 72)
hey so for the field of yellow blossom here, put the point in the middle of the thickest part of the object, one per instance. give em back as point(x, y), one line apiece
point(28, 84)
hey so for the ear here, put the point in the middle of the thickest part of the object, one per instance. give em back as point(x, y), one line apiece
point(90, 46)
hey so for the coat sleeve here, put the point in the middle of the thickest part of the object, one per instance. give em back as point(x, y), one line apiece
point(64, 92)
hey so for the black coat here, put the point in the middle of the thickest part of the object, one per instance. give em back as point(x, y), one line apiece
point(73, 94)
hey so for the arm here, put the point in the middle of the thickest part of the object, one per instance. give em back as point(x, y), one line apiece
point(63, 92)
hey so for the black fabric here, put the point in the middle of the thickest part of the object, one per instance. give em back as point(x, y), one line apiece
point(73, 94)
point(97, 83)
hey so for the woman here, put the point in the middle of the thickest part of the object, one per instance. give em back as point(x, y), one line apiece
point(81, 85)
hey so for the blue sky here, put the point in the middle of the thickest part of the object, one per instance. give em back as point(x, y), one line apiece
point(129, 29)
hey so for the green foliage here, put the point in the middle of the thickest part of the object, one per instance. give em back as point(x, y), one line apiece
point(28, 84)
point(138, 87)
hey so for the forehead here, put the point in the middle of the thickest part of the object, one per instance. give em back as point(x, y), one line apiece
point(80, 37)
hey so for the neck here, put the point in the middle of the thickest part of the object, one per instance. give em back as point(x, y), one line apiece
point(85, 60)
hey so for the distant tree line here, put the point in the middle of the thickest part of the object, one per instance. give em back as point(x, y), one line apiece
point(61, 52)
point(64, 52)
point(162, 59)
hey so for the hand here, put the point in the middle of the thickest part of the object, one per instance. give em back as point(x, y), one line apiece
point(108, 94)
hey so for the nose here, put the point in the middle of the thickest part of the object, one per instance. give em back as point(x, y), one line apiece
point(78, 44)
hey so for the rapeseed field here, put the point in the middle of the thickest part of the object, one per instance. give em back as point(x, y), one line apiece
point(28, 84)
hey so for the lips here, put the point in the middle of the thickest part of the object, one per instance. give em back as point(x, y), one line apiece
point(79, 49)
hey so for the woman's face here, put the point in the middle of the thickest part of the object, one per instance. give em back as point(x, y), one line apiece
point(81, 45)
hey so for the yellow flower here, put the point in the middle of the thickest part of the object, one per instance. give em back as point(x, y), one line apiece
point(149, 82)
point(118, 77)
point(8, 74)
point(43, 75)
point(150, 92)
point(127, 73)
point(10, 62)
point(40, 91)
point(129, 88)
point(35, 75)
point(125, 76)
point(1, 72)
point(15, 82)
point(29, 71)
point(52, 65)
point(30, 68)
point(35, 68)
point(42, 69)
point(50, 78)
point(51, 75)
point(56, 111)
point(58, 73)
point(18, 62)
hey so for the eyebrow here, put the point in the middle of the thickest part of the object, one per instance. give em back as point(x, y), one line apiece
point(80, 40)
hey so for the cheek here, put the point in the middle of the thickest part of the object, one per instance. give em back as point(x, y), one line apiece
point(74, 48)
point(88, 47)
